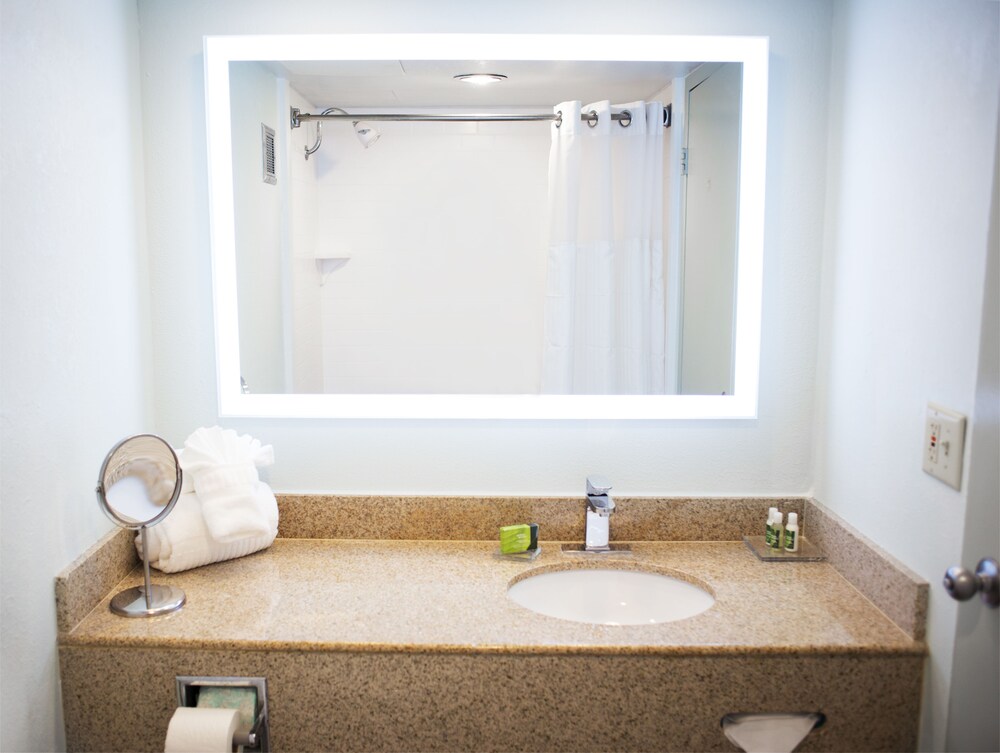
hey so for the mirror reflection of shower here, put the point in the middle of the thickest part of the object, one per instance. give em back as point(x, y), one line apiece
point(367, 133)
point(421, 267)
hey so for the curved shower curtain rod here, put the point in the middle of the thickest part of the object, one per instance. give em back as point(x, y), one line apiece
point(624, 118)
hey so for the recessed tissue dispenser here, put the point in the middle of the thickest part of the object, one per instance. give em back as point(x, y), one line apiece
point(219, 714)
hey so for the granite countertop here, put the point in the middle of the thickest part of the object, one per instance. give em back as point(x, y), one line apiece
point(450, 596)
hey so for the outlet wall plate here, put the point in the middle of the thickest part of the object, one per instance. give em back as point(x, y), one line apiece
point(944, 444)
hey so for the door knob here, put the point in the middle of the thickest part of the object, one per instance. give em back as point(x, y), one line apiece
point(962, 584)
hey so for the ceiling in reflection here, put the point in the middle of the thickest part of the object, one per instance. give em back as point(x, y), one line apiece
point(431, 83)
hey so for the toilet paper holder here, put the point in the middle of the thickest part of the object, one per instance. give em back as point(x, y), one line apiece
point(779, 731)
point(257, 738)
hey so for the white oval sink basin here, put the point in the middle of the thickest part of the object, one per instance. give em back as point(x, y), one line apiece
point(610, 597)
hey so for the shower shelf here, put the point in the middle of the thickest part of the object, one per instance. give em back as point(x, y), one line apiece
point(327, 265)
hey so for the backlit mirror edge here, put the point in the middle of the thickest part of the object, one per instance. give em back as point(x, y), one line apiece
point(752, 52)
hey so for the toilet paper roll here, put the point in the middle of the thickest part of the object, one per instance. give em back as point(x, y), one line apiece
point(194, 730)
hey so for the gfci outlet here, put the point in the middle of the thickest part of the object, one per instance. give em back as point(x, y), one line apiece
point(944, 443)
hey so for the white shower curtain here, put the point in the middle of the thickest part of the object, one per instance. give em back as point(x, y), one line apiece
point(604, 314)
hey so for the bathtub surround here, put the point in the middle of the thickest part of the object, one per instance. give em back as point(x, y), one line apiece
point(456, 328)
point(436, 645)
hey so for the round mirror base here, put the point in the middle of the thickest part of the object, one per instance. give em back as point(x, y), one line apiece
point(132, 601)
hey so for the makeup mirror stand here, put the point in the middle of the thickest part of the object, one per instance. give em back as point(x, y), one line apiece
point(148, 599)
point(136, 473)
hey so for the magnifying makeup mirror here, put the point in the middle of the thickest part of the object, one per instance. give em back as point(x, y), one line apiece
point(139, 484)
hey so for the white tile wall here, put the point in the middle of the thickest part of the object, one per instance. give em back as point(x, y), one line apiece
point(307, 319)
point(445, 227)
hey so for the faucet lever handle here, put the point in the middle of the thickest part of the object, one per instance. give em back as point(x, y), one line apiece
point(597, 484)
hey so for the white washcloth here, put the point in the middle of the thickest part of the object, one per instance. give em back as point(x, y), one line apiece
point(223, 470)
point(182, 540)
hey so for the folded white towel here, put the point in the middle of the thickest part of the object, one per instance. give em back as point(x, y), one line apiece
point(182, 540)
point(187, 484)
point(158, 480)
point(223, 466)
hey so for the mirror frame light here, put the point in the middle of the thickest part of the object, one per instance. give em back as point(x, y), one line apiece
point(752, 52)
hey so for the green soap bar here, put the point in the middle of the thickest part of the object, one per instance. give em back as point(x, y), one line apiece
point(514, 539)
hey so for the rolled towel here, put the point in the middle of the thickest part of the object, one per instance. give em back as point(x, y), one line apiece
point(223, 470)
point(182, 540)
point(187, 484)
point(158, 480)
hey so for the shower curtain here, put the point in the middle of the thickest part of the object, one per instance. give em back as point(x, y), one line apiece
point(604, 311)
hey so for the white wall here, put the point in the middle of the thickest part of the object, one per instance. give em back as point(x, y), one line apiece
point(913, 124)
point(769, 455)
point(74, 316)
point(673, 187)
point(711, 201)
point(258, 209)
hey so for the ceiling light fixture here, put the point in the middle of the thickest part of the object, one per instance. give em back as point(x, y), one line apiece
point(480, 78)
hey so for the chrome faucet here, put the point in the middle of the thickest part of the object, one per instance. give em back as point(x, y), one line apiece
point(600, 505)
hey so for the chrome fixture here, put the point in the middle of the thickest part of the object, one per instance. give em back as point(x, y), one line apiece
point(597, 534)
point(252, 735)
point(139, 484)
point(600, 505)
point(335, 113)
point(480, 79)
point(962, 584)
point(367, 134)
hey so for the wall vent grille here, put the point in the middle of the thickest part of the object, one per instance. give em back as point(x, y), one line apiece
point(267, 151)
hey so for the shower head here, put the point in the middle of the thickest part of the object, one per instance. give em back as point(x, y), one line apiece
point(367, 133)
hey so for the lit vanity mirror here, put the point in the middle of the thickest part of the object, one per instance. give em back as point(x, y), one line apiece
point(502, 226)
point(138, 486)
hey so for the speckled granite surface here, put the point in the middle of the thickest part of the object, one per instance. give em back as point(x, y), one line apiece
point(89, 578)
point(324, 516)
point(893, 587)
point(404, 645)
point(451, 596)
point(122, 699)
